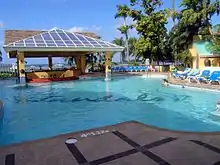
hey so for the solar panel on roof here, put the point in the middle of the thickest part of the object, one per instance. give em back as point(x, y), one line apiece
point(64, 36)
point(60, 43)
point(80, 37)
point(19, 44)
point(41, 44)
point(97, 45)
point(90, 39)
point(30, 45)
point(55, 36)
point(71, 36)
point(61, 38)
point(46, 36)
point(51, 44)
point(38, 37)
point(29, 42)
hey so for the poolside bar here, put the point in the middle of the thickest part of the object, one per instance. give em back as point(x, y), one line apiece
point(58, 43)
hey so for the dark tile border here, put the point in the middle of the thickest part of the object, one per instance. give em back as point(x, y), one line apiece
point(113, 157)
point(137, 148)
point(77, 154)
point(144, 150)
point(155, 158)
point(10, 159)
point(126, 139)
point(217, 163)
point(208, 146)
point(159, 142)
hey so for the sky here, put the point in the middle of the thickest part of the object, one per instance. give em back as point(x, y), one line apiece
point(76, 15)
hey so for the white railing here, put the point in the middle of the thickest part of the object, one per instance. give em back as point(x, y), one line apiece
point(7, 68)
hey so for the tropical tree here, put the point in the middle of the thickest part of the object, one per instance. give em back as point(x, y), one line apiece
point(150, 25)
point(131, 47)
point(120, 41)
point(69, 60)
point(172, 13)
point(193, 20)
point(122, 12)
point(1, 56)
point(195, 17)
point(214, 45)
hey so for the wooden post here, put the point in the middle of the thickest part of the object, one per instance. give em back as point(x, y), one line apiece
point(50, 62)
point(83, 64)
point(108, 66)
point(78, 62)
point(21, 67)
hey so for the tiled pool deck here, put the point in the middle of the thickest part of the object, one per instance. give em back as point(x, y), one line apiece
point(129, 143)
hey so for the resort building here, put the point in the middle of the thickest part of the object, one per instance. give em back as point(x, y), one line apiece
point(202, 56)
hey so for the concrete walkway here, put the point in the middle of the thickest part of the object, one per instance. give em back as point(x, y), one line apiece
point(174, 81)
point(129, 143)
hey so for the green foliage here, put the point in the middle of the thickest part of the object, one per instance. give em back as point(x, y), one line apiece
point(69, 60)
point(195, 17)
point(193, 20)
point(133, 63)
point(131, 46)
point(185, 57)
point(214, 46)
point(150, 25)
point(172, 13)
point(123, 12)
point(6, 75)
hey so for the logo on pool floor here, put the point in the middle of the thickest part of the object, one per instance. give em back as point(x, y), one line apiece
point(94, 133)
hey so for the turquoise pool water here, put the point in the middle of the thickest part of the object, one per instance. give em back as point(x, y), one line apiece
point(45, 110)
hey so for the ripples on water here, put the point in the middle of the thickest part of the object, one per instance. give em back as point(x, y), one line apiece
point(55, 108)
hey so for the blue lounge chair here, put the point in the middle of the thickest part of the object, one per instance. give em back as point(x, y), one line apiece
point(135, 68)
point(113, 69)
point(192, 73)
point(181, 73)
point(214, 77)
point(121, 69)
point(184, 75)
point(203, 76)
point(144, 69)
point(138, 69)
point(130, 69)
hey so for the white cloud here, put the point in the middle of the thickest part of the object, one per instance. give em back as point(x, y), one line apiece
point(77, 29)
point(93, 28)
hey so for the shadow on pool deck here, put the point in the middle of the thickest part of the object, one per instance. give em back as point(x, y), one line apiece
point(130, 143)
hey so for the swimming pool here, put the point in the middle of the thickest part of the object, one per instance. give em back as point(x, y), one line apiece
point(45, 110)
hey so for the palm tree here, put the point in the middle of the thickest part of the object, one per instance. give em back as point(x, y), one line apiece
point(1, 56)
point(69, 60)
point(120, 42)
point(131, 44)
point(172, 13)
point(122, 12)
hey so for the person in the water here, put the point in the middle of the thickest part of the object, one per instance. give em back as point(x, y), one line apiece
point(217, 109)
point(165, 83)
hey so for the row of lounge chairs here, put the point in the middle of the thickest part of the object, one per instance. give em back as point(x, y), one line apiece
point(131, 69)
point(208, 76)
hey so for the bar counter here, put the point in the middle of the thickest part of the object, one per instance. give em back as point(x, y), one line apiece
point(52, 75)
